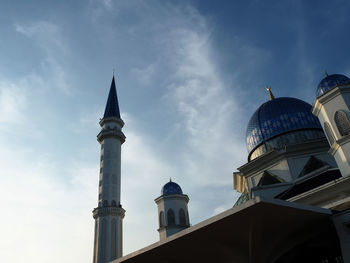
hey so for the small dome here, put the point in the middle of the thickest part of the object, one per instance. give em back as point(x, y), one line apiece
point(279, 122)
point(331, 81)
point(171, 188)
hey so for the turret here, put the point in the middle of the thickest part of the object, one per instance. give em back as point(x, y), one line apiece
point(172, 210)
point(332, 107)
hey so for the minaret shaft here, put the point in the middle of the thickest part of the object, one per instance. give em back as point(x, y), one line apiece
point(110, 172)
point(109, 214)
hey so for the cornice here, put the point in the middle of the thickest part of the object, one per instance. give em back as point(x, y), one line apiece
point(173, 197)
point(112, 119)
point(273, 156)
point(108, 211)
point(338, 143)
point(106, 133)
point(329, 95)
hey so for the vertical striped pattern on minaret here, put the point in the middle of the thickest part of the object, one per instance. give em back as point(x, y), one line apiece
point(109, 213)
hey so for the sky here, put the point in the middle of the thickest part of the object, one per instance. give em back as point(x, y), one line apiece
point(189, 75)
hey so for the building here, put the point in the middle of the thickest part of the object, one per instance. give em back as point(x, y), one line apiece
point(172, 210)
point(295, 187)
point(109, 213)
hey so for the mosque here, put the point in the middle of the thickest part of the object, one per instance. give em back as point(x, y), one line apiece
point(295, 190)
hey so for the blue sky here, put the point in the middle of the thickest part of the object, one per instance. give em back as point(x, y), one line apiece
point(189, 74)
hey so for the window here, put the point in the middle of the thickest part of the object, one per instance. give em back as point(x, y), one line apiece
point(329, 133)
point(105, 203)
point(161, 219)
point(171, 217)
point(114, 203)
point(182, 217)
point(342, 120)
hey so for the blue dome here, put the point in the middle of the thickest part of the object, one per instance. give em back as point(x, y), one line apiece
point(171, 188)
point(330, 82)
point(278, 118)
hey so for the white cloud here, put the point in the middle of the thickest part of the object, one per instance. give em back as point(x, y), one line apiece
point(45, 215)
point(144, 172)
point(13, 101)
point(207, 110)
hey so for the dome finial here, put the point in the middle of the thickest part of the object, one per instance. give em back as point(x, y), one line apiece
point(325, 72)
point(170, 179)
point(270, 93)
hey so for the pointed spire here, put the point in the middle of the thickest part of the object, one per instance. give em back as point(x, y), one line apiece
point(270, 93)
point(112, 106)
point(325, 72)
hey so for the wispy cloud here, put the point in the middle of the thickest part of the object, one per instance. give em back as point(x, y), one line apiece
point(50, 39)
point(207, 110)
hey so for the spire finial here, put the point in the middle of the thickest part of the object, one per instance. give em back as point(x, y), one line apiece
point(270, 93)
point(113, 71)
point(325, 72)
point(170, 179)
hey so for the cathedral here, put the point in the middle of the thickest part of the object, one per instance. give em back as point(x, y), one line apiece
point(295, 190)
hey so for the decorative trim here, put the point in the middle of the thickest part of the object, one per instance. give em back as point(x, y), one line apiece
point(264, 161)
point(326, 97)
point(110, 119)
point(172, 197)
point(338, 143)
point(107, 133)
point(108, 211)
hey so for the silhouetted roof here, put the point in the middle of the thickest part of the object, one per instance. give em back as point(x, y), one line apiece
point(112, 107)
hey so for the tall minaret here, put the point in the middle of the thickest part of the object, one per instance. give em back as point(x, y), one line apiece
point(109, 214)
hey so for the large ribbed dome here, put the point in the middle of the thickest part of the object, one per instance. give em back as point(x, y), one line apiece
point(330, 82)
point(280, 122)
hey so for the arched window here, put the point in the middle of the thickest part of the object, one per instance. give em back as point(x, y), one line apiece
point(182, 217)
point(105, 203)
point(342, 120)
point(329, 133)
point(114, 203)
point(161, 219)
point(171, 217)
